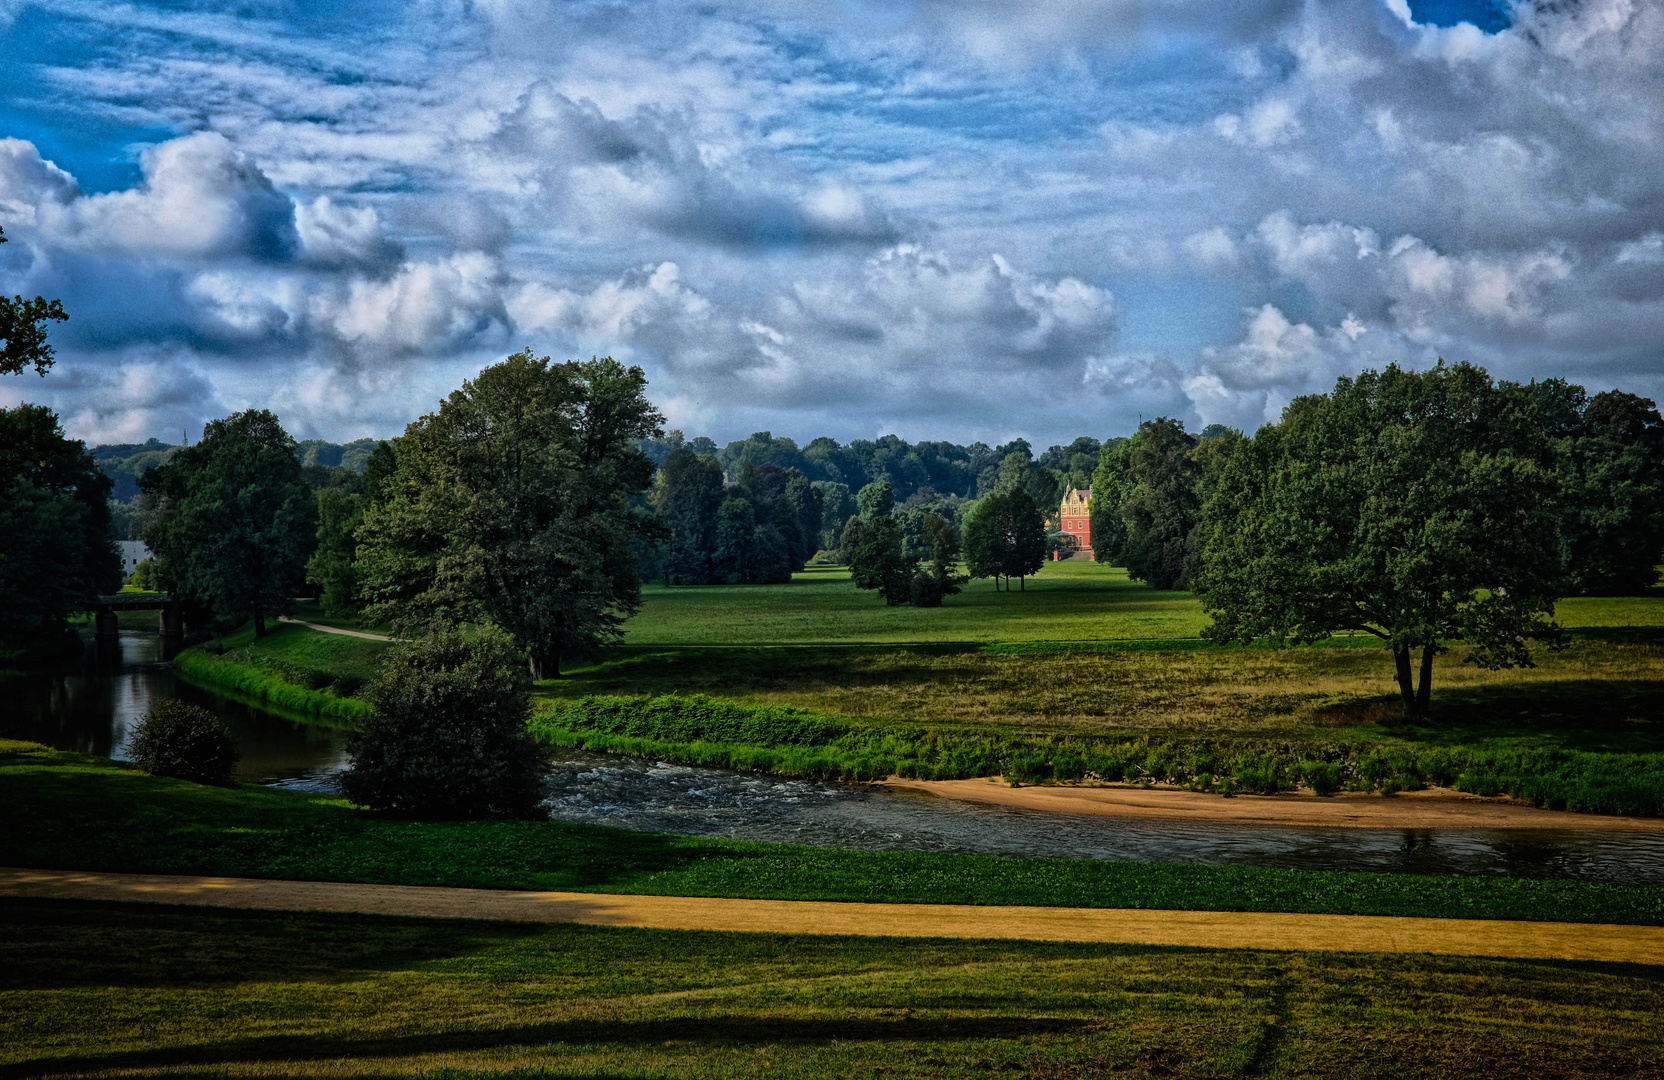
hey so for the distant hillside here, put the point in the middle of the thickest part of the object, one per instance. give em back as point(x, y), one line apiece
point(124, 463)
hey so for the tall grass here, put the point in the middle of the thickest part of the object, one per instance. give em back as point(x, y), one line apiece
point(796, 742)
point(265, 680)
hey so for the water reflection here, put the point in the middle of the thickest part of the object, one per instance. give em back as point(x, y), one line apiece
point(89, 705)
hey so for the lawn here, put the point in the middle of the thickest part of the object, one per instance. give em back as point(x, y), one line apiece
point(68, 811)
point(147, 991)
point(1066, 601)
point(1071, 601)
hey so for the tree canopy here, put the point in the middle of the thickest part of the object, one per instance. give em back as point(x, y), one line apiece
point(1419, 508)
point(513, 505)
point(1005, 535)
point(231, 521)
point(55, 549)
point(23, 332)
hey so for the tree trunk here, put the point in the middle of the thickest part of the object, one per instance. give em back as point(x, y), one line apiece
point(1406, 680)
point(533, 668)
point(1022, 583)
point(1424, 693)
point(259, 624)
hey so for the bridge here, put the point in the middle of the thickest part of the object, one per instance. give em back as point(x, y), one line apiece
point(104, 613)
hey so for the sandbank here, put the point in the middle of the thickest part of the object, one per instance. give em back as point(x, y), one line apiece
point(1433, 808)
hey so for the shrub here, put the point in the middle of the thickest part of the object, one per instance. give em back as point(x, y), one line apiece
point(446, 737)
point(1325, 777)
point(185, 741)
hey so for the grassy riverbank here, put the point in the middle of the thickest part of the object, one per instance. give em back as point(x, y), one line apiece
point(796, 742)
point(293, 667)
point(141, 990)
point(67, 811)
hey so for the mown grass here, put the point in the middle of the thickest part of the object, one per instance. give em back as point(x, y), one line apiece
point(795, 742)
point(1066, 601)
point(67, 811)
point(1073, 601)
point(137, 990)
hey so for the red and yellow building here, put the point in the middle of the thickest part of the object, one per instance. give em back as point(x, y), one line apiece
point(1075, 519)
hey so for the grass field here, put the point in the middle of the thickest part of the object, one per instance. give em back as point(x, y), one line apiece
point(146, 991)
point(1072, 601)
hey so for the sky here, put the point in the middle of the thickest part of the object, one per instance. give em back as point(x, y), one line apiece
point(946, 219)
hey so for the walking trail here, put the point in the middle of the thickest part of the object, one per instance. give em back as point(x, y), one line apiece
point(1206, 929)
point(334, 629)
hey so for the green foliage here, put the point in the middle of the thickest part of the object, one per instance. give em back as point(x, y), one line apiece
point(798, 742)
point(1416, 507)
point(55, 550)
point(184, 741)
point(687, 494)
point(447, 735)
point(23, 329)
point(1161, 505)
point(332, 566)
point(231, 520)
point(872, 548)
point(691, 719)
point(1110, 487)
point(1005, 535)
point(1614, 500)
point(513, 505)
point(283, 685)
point(875, 500)
point(942, 578)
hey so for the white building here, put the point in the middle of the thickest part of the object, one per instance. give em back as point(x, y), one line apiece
point(133, 552)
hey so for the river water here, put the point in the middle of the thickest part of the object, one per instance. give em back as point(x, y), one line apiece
point(90, 705)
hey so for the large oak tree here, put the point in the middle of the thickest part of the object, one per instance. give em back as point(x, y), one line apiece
point(1417, 507)
point(513, 505)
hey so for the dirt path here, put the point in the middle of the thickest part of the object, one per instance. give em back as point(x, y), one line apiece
point(1227, 930)
point(1434, 808)
point(334, 629)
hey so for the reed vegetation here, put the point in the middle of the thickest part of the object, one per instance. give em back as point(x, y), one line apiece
point(798, 742)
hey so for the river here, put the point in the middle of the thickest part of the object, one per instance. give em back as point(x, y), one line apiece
point(89, 706)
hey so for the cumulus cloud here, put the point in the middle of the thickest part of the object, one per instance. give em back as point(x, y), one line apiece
point(950, 218)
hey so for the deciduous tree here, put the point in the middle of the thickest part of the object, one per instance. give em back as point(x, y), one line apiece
point(512, 505)
point(55, 549)
point(23, 332)
point(1414, 507)
point(231, 521)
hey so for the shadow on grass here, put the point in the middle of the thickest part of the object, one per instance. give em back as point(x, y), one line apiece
point(1568, 714)
point(63, 944)
point(711, 1032)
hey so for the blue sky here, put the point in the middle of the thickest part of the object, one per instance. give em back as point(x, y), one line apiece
point(963, 220)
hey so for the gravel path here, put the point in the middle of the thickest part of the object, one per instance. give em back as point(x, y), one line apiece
point(1224, 930)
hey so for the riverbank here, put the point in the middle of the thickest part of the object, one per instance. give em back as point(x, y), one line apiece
point(72, 812)
point(292, 666)
point(1430, 808)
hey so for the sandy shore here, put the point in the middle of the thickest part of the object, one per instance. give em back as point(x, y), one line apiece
point(1434, 808)
point(1207, 929)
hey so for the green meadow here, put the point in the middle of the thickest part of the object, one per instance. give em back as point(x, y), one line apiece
point(136, 990)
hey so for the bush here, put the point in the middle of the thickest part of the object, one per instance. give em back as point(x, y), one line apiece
point(1325, 777)
point(185, 741)
point(446, 737)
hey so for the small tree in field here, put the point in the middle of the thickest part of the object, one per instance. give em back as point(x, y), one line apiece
point(448, 735)
point(1417, 507)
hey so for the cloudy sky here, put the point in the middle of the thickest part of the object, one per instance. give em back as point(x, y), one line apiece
point(959, 219)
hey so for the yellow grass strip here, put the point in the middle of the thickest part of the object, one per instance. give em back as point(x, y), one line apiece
point(1217, 930)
